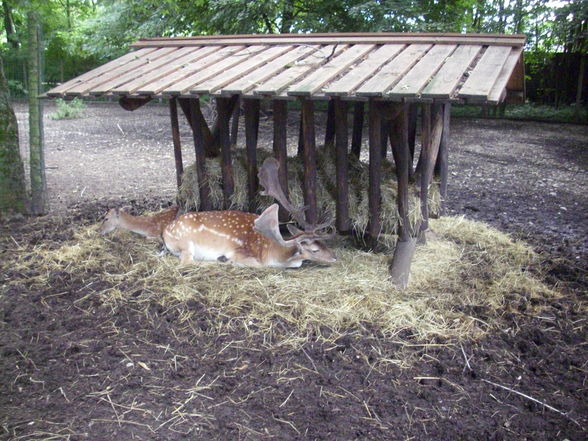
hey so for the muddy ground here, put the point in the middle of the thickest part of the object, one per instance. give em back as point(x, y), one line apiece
point(72, 368)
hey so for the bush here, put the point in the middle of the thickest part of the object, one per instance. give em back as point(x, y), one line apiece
point(69, 109)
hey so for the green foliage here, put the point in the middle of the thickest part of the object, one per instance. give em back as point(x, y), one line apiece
point(75, 108)
point(564, 114)
point(567, 114)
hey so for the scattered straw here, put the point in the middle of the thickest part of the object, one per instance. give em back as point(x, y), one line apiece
point(466, 267)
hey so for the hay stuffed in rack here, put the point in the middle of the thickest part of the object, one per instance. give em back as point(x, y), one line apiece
point(326, 190)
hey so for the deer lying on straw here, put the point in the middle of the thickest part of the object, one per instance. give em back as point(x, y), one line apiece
point(245, 238)
point(233, 236)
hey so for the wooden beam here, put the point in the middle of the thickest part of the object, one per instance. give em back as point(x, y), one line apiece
point(235, 122)
point(251, 109)
point(442, 166)
point(428, 160)
point(385, 129)
point(401, 154)
point(280, 147)
point(199, 123)
point(342, 165)
point(309, 155)
point(425, 135)
point(404, 251)
point(375, 168)
point(339, 38)
point(358, 111)
point(175, 128)
point(330, 127)
point(412, 128)
point(131, 104)
point(223, 107)
point(198, 135)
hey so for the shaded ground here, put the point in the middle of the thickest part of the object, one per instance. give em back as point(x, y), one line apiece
point(73, 366)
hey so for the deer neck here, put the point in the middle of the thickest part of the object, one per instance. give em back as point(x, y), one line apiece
point(137, 224)
point(283, 256)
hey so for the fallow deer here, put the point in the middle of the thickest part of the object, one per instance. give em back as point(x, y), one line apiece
point(245, 238)
point(148, 226)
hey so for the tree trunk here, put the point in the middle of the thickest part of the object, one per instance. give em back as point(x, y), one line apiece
point(37, 160)
point(12, 180)
point(580, 87)
point(11, 36)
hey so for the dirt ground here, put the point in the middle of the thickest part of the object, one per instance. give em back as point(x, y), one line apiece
point(73, 368)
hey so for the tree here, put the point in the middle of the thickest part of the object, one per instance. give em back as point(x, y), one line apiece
point(12, 180)
point(39, 202)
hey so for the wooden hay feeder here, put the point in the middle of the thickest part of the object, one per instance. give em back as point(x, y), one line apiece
point(394, 74)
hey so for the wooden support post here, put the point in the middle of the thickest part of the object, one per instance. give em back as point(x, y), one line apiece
point(198, 134)
point(405, 247)
point(175, 126)
point(280, 147)
point(375, 168)
point(251, 109)
point(342, 165)
point(385, 129)
point(428, 159)
point(425, 135)
point(235, 122)
point(442, 166)
point(197, 122)
point(412, 128)
point(300, 151)
point(223, 107)
point(358, 110)
point(330, 128)
point(309, 155)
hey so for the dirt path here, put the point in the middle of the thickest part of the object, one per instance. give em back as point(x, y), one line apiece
point(76, 366)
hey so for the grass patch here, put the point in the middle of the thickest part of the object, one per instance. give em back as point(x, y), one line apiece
point(535, 112)
point(75, 108)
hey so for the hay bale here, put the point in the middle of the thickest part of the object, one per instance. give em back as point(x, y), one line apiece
point(326, 190)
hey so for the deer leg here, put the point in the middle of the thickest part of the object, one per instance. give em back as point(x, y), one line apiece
point(186, 257)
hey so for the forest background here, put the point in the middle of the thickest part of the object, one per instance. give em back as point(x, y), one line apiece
point(78, 35)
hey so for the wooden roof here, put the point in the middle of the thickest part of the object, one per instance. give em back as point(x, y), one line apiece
point(418, 67)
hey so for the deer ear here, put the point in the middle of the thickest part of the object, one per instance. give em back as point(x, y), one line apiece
point(268, 225)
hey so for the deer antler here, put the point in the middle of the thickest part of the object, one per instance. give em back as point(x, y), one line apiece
point(268, 178)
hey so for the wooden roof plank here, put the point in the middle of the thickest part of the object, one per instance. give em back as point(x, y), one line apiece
point(142, 81)
point(447, 79)
point(333, 68)
point(223, 62)
point(90, 75)
point(188, 69)
point(293, 73)
point(415, 79)
point(83, 88)
point(248, 64)
point(152, 66)
point(339, 38)
point(363, 70)
point(482, 78)
point(257, 77)
point(498, 91)
point(391, 72)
